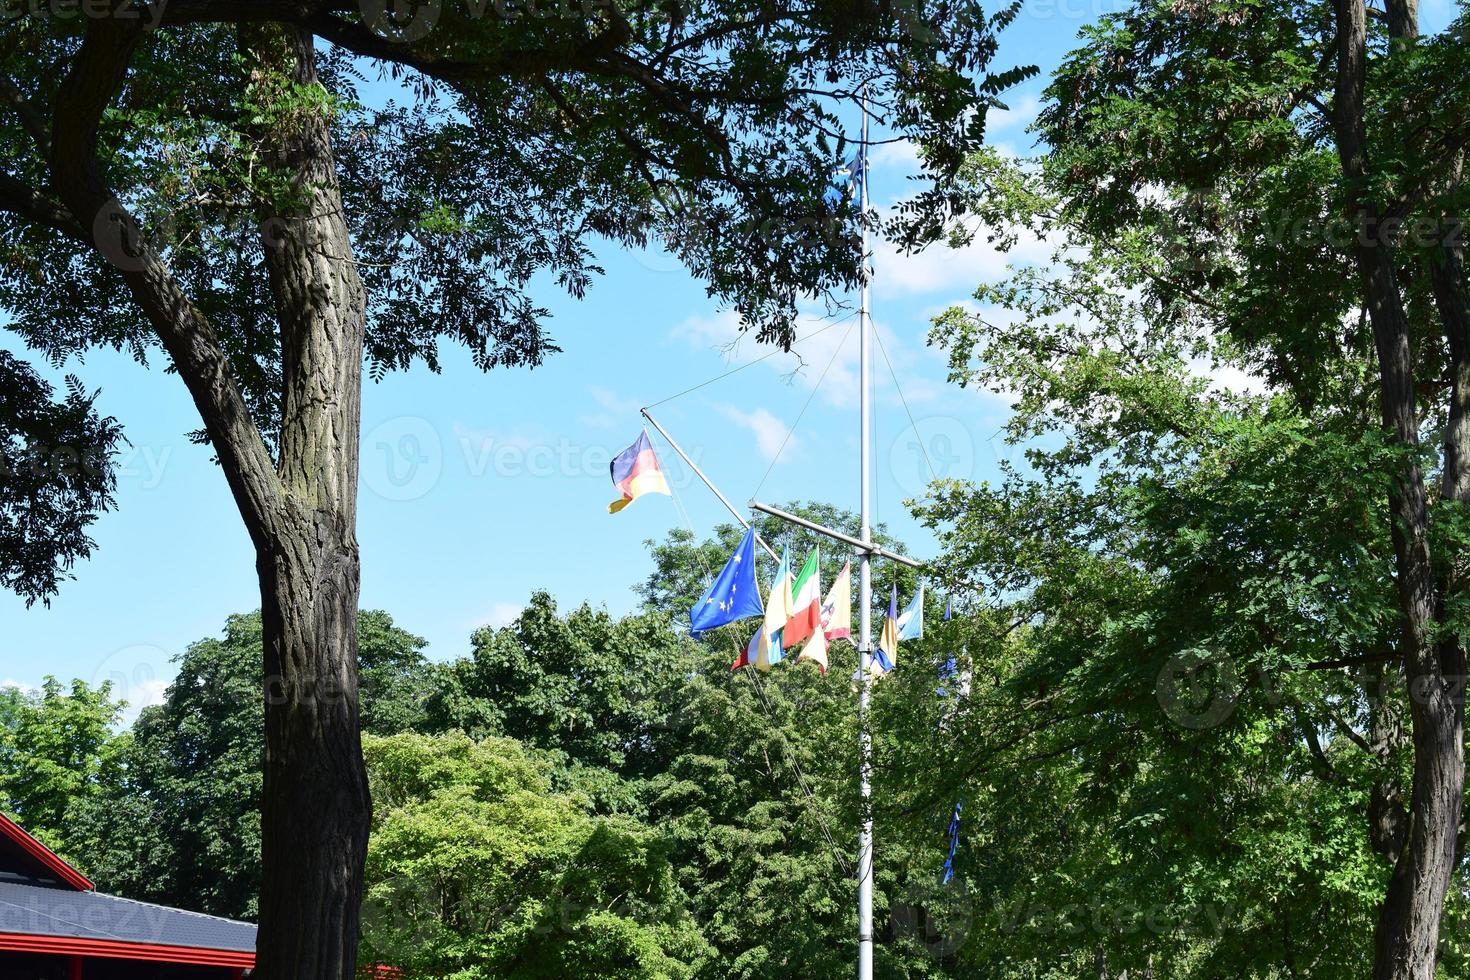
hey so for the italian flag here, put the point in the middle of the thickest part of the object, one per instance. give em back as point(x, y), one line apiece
point(806, 604)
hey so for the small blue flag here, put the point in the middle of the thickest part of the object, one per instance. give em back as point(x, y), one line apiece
point(954, 843)
point(734, 595)
point(950, 669)
point(847, 181)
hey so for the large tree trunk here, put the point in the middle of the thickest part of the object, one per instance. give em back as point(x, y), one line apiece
point(314, 821)
point(300, 509)
point(1407, 935)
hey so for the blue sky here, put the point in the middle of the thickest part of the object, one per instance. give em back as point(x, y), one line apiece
point(478, 488)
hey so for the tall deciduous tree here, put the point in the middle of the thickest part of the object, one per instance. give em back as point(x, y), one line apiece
point(1290, 178)
point(57, 753)
point(199, 178)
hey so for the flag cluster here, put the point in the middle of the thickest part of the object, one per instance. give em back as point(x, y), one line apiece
point(796, 614)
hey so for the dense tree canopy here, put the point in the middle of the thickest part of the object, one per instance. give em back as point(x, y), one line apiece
point(1238, 546)
point(219, 185)
point(542, 810)
point(1202, 703)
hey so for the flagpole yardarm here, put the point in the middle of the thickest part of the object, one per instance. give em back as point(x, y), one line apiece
point(705, 480)
point(876, 550)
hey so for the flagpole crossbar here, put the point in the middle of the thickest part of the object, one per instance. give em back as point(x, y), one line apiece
point(876, 551)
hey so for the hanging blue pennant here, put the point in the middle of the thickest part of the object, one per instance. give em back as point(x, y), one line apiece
point(954, 843)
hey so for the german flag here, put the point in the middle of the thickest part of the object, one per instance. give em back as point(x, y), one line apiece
point(635, 471)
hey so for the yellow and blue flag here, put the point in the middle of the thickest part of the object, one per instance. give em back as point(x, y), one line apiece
point(734, 594)
point(635, 471)
point(778, 611)
point(886, 653)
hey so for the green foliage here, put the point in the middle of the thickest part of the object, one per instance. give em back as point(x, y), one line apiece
point(514, 143)
point(1193, 616)
point(178, 820)
point(587, 685)
point(623, 805)
point(56, 476)
point(56, 754)
point(478, 869)
point(1174, 576)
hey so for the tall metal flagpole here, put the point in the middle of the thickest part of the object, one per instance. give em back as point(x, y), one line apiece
point(865, 596)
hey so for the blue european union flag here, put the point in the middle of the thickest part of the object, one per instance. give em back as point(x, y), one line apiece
point(734, 595)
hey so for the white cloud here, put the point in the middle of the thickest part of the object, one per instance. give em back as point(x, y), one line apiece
point(615, 409)
point(468, 436)
point(940, 268)
point(826, 352)
point(1227, 378)
point(500, 615)
point(718, 332)
point(21, 686)
point(771, 434)
point(901, 156)
point(1018, 114)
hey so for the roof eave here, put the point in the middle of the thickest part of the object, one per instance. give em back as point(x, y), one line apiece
point(116, 949)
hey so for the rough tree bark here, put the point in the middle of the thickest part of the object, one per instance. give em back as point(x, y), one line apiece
point(1407, 934)
point(1388, 820)
point(316, 808)
point(300, 509)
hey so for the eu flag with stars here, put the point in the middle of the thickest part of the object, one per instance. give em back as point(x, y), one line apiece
point(734, 595)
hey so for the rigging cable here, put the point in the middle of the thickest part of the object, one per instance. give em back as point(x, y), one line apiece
point(789, 749)
point(763, 357)
point(924, 449)
point(791, 430)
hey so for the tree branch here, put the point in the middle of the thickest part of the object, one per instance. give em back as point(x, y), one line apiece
point(21, 199)
point(90, 86)
point(29, 117)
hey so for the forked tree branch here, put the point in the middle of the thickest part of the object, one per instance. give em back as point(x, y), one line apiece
point(90, 86)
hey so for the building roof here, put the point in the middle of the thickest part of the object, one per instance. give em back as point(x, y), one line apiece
point(48, 906)
point(22, 854)
point(47, 910)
